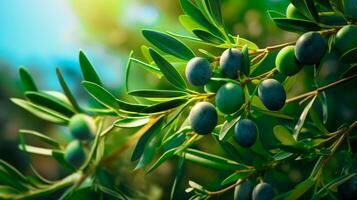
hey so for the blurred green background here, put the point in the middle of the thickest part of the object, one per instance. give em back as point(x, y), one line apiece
point(43, 35)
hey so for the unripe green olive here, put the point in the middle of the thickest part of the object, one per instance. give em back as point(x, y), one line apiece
point(286, 62)
point(263, 191)
point(244, 191)
point(203, 118)
point(293, 13)
point(231, 62)
point(310, 48)
point(346, 39)
point(272, 94)
point(229, 98)
point(81, 126)
point(198, 71)
point(74, 154)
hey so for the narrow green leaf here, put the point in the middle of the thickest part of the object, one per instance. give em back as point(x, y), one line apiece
point(302, 118)
point(13, 172)
point(211, 161)
point(160, 107)
point(67, 91)
point(193, 12)
point(316, 120)
point(283, 135)
point(168, 154)
point(168, 70)
point(158, 93)
point(274, 14)
point(281, 155)
point(150, 149)
point(130, 107)
point(150, 68)
point(41, 136)
point(234, 177)
point(48, 101)
point(179, 173)
point(41, 112)
point(227, 126)
point(168, 44)
point(36, 150)
point(131, 122)
point(100, 94)
point(215, 10)
point(142, 142)
point(88, 72)
point(307, 8)
point(208, 37)
point(27, 80)
point(296, 25)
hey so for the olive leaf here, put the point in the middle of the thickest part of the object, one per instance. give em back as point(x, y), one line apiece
point(145, 138)
point(168, 44)
point(27, 79)
point(50, 102)
point(88, 72)
point(41, 112)
point(168, 70)
point(211, 161)
point(67, 91)
point(302, 118)
point(157, 93)
point(208, 37)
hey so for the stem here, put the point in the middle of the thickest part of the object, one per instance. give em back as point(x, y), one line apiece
point(272, 48)
point(315, 92)
point(324, 160)
point(218, 192)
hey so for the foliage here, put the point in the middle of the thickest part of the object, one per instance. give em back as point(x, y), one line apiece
point(159, 127)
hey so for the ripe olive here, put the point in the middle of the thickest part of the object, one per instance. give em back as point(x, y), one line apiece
point(310, 48)
point(286, 62)
point(229, 98)
point(346, 39)
point(245, 132)
point(293, 13)
point(203, 118)
point(243, 191)
point(262, 191)
point(272, 94)
point(348, 190)
point(82, 126)
point(74, 154)
point(231, 62)
point(198, 71)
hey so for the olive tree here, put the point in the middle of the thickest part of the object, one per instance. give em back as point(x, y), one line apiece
point(235, 97)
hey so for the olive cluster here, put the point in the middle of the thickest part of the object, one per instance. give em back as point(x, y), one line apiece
point(229, 97)
point(82, 129)
point(247, 191)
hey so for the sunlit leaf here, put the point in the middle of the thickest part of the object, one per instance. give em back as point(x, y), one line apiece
point(168, 44)
point(88, 72)
point(41, 112)
point(283, 135)
point(27, 79)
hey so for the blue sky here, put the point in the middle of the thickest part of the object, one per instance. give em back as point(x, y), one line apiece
point(42, 34)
